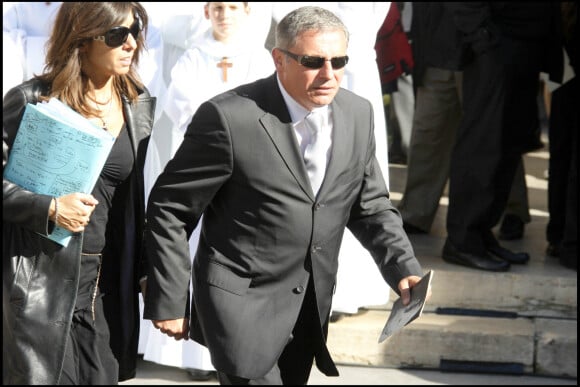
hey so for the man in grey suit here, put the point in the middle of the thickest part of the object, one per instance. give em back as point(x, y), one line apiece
point(265, 268)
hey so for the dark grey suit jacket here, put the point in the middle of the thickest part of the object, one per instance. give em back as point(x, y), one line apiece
point(264, 232)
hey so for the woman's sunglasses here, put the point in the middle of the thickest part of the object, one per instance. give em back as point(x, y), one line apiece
point(316, 62)
point(117, 36)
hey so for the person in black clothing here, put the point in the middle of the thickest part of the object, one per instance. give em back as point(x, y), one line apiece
point(510, 43)
point(439, 54)
point(71, 313)
point(562, 229)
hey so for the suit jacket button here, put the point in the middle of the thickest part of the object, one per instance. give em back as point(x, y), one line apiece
point(299, 289)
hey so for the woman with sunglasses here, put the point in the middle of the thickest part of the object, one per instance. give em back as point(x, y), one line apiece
point(70, 314)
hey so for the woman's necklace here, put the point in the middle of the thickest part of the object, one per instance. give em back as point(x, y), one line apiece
point(102, 116)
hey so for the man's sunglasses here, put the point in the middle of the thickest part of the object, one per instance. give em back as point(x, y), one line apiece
point(117, 36)
point(316, 62)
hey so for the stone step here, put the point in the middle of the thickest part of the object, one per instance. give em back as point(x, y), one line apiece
point(523, 321)
point(541, 288)
point(456, 343)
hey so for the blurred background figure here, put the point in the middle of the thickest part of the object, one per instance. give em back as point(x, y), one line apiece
point(509, 44)
point(28, 24)
point(438, 57)
point(12, 67)
point(395, 61)
point(562, 228)
point(181, 23)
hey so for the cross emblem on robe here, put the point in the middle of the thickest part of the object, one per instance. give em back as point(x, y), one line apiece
point(224, 64)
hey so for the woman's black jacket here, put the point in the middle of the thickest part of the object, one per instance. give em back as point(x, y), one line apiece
point(40, 278)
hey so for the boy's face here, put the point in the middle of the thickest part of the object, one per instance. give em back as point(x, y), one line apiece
point(226, 18)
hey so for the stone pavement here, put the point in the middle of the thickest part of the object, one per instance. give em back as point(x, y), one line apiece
point(149, 373)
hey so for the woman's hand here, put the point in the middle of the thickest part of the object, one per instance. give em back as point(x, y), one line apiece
point(73, 211)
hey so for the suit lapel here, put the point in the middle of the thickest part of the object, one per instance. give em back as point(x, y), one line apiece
point(279, 128)
point(284, 139)
point(278, 125)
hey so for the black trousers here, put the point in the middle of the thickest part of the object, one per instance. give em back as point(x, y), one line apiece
point(88, 357)
point(562, 229)
point(306, 344)
point(499, 117)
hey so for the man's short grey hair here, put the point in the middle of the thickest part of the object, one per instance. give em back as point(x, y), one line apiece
point(304, 19)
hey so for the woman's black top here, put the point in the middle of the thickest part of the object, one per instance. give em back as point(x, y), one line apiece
point(110, 192)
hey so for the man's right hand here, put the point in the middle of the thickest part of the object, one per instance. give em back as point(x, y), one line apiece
point(178, 328)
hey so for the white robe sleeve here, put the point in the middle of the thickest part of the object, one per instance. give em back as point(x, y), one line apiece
point(182, 97)
point(150, 67)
